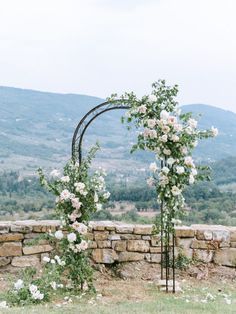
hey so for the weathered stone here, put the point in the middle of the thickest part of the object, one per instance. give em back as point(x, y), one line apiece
point(92, 244)
point(184, 247)
point(124, 228)
point(101, 235)
point(233, 235)
point(4, 227)
point(89, 236)
point(11, 237)
point(31, 235)
point(138, 245)
point(205, 245)
point(114, 237)
point(34, 249)
point(204, 256)
point(130, 237)
point(221, 235)
point(184, 232)
point(119, 246)
point(130, 257)
point(233, 244)
point(26, 261)
point(4, 261)
point(155, 249)
point(224, 244)
point(146, 237)
point(11, 249)
point(204, 235)
point(153, 258)
point(106, 256)
point(143, 229)
point(156, 240)
point(104, 244)
point(226, 257)
point(35, 241)
point(21, 228)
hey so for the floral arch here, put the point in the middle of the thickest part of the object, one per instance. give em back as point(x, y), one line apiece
point(163, 130)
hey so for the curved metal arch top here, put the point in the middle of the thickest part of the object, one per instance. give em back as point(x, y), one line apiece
point(76, 149)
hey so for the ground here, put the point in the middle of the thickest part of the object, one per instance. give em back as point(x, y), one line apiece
point(132, 288)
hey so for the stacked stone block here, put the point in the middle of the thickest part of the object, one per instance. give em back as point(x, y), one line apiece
point(116, 242)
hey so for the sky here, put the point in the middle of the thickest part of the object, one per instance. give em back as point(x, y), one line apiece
point(98, 47)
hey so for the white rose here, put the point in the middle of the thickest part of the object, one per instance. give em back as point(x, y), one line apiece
point(76, 203)
point(46, 259)
point(172, 120)
point(214, 131)
point(188, 161)
point(95, 197)
point(153, 167)
point(165, 170)
point(164, 115)
point(170, 161)
point(82, 229)
point(163, 180)
point(184, 150)
point(33, 288)
point(153, 134)
point(59, 234)
point(178, 127)
point(192, 123)
point(166, 151)
point(71, 237)
point(65, 195)
point(150, 181)
point(99, 206)
point(180, 169)
point(152, 98)
point(53, 261)
point(106, 195)
point(194, 171)
point(164, 138)
point(82, 246)
point(165, 129)
point(191, 179)
point(19, 284)
point(175, 190)
point(142, 109)
point(65, 179)
point(151, 123)
point(175, 138)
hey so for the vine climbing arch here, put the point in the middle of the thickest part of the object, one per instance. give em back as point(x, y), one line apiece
point(167, 249)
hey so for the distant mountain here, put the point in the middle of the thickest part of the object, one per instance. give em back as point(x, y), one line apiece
point(36, 129)
point(224, 145)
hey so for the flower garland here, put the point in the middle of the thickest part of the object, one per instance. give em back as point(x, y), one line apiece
point(78, 195)
point(172, 137)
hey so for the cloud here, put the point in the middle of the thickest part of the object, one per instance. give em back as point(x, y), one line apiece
point(97, 47)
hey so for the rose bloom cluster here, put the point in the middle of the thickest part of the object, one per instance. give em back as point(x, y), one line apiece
point(33, 289)
point(171, 136)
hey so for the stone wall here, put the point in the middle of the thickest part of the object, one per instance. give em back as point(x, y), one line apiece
point(117, 242)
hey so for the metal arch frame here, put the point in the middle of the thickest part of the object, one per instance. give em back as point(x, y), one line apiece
point(76, 152)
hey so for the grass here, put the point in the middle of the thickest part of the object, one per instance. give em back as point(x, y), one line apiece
point(142, 297)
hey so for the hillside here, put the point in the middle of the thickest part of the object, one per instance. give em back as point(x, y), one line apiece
point(36, 130)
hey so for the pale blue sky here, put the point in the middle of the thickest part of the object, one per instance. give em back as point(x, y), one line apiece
point(97, 47)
